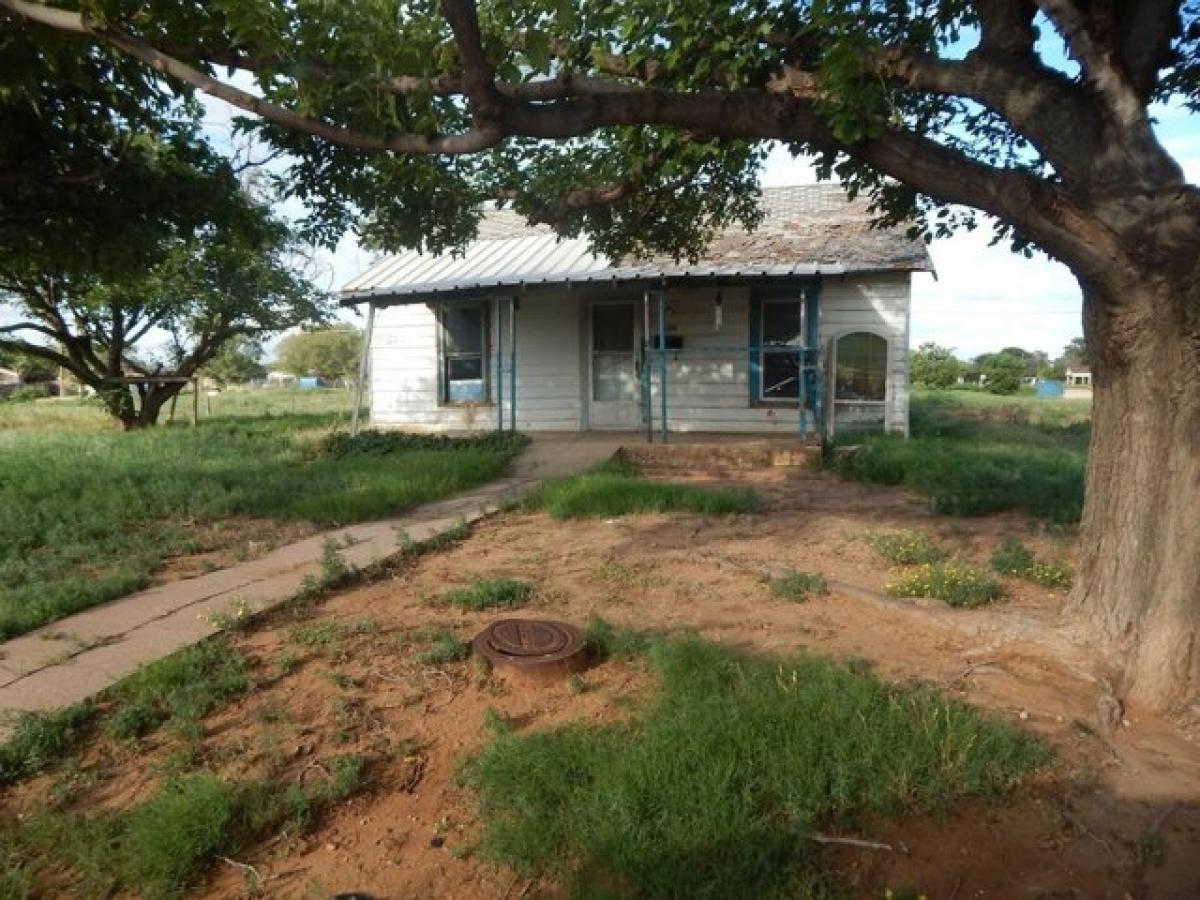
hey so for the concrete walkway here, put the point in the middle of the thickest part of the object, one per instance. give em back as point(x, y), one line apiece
point(77, 657)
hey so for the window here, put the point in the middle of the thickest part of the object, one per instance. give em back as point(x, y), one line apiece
point(861, 367)
point(782, 339)
point(463, 354)
point(859, 382)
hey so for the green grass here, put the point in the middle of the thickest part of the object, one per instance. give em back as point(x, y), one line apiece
point(179, 689)
point(973, 454)
point(158, 847)
point(441, 646)
point(87, 513)
point(39, 739)
point(905, 547)
point(175, 691)
point(616, 489)
point(491, 593)
point(1012, 557)
point(954, 584)
point(713, 788)
point(797, 587)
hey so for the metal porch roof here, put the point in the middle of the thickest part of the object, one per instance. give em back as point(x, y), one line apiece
point(811, 230)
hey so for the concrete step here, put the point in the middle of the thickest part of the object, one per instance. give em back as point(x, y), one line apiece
point(764, 455)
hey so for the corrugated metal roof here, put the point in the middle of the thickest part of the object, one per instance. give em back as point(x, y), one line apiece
point(806, 230)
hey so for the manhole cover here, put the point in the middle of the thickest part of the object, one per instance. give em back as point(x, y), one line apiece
point(533, 646)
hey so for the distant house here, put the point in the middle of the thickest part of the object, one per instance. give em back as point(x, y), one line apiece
point(8, 376)
point(1078, 383)
point(280, 379)
point(800, 327)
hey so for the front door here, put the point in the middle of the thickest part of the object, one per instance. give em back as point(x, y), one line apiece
point(614, 369)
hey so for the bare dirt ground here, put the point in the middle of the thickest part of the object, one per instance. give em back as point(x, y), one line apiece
point(1115, 816)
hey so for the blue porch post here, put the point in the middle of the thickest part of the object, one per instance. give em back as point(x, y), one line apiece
point(812, 339)
point(662, 359)
point(512, 363)
point(499, 365)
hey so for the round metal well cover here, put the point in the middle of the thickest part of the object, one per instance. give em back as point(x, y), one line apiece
point(534, 646)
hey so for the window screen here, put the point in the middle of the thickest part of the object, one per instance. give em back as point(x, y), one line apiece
point(782, 337)
point(463, 362)
point(861, 368)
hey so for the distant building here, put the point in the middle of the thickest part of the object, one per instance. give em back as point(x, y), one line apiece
point(1079, 383)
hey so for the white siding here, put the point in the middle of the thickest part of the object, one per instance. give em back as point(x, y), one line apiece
point(404, 369)
point(709, 392)
point(879, 304)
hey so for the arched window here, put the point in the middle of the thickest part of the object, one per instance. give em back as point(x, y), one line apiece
point(860, 378)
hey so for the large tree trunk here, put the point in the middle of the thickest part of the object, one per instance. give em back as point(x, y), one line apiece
point(1138, 588)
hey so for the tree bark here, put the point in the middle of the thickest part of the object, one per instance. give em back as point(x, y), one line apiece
point(1138, 586)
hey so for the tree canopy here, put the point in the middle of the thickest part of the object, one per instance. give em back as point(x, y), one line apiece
point(640, 124)
point(932, 365)
point(328, 353)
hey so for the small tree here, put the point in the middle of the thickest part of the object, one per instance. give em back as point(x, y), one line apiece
point(1003, 372)
point(330, 353)
point(932, 365)
point(239, 361)
point(30, 368)
point(1075, 354)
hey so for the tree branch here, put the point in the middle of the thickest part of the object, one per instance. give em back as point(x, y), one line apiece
point(478, 76)
point(79, 24)
point(1099, 66)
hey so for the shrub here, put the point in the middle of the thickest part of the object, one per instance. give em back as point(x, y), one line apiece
point(797, 586)
point(711, 789)
point(342, 444)
point(905, 547)
point(491, 593)
point(953, 584)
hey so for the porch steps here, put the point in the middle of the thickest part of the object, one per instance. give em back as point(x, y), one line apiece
point(765, 455)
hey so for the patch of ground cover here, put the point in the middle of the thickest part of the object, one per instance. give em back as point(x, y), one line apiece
point(86, 516)
point(954, 584)
point(616, 489)
point(159, 846)
point(796, 586)
point(973, 454)
point(1012, 557)
point(491, 593)
point(715, 788)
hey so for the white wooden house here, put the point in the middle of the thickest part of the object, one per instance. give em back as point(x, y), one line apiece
point(798, 327)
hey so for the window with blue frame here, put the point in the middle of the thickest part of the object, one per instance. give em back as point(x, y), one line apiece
point(462, 350)
point(782, 336)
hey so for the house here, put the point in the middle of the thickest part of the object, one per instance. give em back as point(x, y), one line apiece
point(9, 376)
point(1079, 383)
point(800, 327)
point(1079, 377)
